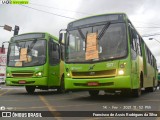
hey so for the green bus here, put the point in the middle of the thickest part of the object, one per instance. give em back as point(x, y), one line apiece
point(34, 60)
point(158, 78)
point(105, 52)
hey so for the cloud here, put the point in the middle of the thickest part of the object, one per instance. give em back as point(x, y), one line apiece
point(142, 13)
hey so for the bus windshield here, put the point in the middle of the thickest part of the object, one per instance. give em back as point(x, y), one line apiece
point(27, 53)
point(111, 42)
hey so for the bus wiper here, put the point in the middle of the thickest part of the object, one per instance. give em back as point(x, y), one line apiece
point(103, 30)
point(32, 45)
point(81, 34)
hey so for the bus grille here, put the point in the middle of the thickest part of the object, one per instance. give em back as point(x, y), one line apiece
point(22, 74)
point(94, 74)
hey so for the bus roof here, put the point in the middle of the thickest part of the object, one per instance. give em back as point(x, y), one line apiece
point(100, 18)
point(32, 35)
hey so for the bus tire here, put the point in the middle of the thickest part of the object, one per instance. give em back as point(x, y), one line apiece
point(126, 93)
point(30, 89)
point(93, 93)
point(136, 92)
point(61, 88)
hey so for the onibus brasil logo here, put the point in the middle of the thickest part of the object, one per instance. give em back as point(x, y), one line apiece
point(14, 1)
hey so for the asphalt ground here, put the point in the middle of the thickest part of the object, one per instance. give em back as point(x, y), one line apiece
point(76, 104)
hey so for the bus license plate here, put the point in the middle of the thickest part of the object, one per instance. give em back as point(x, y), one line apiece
point(22, 82)
point(93, 83)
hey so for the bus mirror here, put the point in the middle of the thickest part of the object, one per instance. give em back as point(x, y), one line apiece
point(60, 37)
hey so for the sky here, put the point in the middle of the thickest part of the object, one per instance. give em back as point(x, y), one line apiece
point(52, 15)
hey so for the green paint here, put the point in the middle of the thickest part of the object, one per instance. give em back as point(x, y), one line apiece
point(19, 1)
point(106, 72)
point(50, 72)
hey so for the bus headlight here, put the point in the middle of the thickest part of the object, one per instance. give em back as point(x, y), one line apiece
point(68, 74)
point(39, 74)
point(121, 72)
point(9, 75)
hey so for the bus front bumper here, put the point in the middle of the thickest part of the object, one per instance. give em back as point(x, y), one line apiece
point(42, 81)
point(120, 82)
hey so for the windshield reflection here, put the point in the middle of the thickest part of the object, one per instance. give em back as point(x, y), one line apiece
point(27, 53)
point(111, 42)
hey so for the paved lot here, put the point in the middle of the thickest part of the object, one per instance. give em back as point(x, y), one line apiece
point(16, 99)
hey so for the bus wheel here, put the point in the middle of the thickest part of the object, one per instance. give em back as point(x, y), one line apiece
point(61, 89)
point(126, 93)
point(93, 93)
point(136, 92)
point(30, 89)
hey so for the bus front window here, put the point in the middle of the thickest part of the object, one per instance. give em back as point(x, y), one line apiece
point(27, 53)
point(111, 42)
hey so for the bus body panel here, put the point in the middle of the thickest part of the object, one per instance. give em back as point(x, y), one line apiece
point(105, 74)
point(43, 81)
point(148, 80)
point(136, 71)
point(54, 75)
point(103, 83)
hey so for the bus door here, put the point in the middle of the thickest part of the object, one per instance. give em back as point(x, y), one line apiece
point(54, 64)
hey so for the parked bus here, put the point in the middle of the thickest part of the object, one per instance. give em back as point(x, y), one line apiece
point(105, 52)
point(158, 79)
point(34, 60)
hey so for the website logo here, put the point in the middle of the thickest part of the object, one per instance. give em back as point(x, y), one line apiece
point(91, 67)
point(6, 114)
point(14, 1)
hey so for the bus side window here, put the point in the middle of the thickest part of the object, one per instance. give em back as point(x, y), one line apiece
point(138, 44)
point(152, 60)
point(54, 53)
point(132, 38)
point(135, 41)
point(148, 55)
